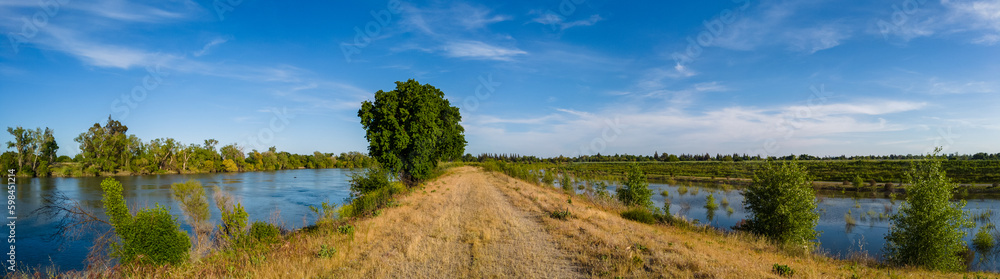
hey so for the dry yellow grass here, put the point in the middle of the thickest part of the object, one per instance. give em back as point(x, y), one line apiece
point(472, 224)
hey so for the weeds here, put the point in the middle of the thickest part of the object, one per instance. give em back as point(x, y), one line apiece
point(326, 252)
point(782, 270)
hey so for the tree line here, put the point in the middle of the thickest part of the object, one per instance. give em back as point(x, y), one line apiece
point(110, 150)
point(684, 157)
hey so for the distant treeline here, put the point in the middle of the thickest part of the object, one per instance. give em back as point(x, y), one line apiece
point(109, 150)
point(664, 157)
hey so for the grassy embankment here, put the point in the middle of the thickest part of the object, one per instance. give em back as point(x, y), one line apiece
point(471, 223)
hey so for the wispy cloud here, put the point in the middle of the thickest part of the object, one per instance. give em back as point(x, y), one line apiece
point(775, 23)
point(480, 50)
point(210, 45)
point(560, 23)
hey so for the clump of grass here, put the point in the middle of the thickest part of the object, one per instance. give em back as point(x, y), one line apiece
point(560, 214)
point(346, 229)
point(850, 219)
point(983, 216)
point(640, 215)
point(695, 191)
point(326, 252)
point(682, 190)
point(782, 270)
point(729, 210)
point(725, 202)
point(665, 193)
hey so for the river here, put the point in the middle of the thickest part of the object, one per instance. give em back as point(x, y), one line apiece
point(281, 197)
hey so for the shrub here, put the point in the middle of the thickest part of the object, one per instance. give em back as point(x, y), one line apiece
point(234, 217)
point(326, 252)
point(983, 241)
point(370, 180)
point(346, 229)
point(263, 232)
point(566, 183)
point(548, 178)
point(858, 182)
point(781, 204)
point(194, 205)
point(326, 212)
point(710, 203)
point(636, 190)
point(639, 214)
point(560, 214)
point(152, 236)
point(927, 231)
point(782, 270)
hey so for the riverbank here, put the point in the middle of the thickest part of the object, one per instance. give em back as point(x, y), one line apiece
point(75, 170)
point(471, 223)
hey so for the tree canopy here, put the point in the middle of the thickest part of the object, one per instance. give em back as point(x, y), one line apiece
point(411, 128)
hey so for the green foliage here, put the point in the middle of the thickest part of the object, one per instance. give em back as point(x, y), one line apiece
point(152, 236)
point(548, 178)
point(370, 180)
point(194, 204)
point(326, 252)
point(234, 220)
point(983, 241)
point(566, 183)
point(710, 203)
point(560, 214)
point(636, 190)
point(858, 182)
point(781, 204)
point(411, 128)
point(326, 211)
point(927, 231)
point(639, 214)
point(263, 232)
point(370, 192)
point(782, 270)
point(346, 229)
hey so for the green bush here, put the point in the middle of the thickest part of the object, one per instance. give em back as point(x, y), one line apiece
point(781, 204)
point(639, 214)
point(983, 241)
point(370, 180)
point(326, 251)
point(566, 183)
point(782, 270)
point(346, 229)
point(326, 212)
point(927, 231)
point(710, 203)
point(548, 178)
point(858, 182)
point(263, 232)
point(636, 190)
point(152, 236)
point(560, 214)
point(234, 221)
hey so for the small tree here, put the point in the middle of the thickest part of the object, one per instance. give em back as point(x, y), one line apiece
point(194, 204)
point(636, 190)
point(927, 231)
point(781, 204)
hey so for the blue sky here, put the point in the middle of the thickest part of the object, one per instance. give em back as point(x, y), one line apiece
point(543, 78)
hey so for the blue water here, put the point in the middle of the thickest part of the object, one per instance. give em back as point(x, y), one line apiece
point(280, 197)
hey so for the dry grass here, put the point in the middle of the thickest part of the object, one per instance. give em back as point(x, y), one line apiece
point(474, 224)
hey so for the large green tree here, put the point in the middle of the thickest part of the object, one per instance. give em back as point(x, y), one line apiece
point(411, 128)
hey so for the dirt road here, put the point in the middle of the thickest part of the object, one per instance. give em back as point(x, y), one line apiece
point(462, 227)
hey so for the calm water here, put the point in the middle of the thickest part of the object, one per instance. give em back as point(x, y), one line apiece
point(836, 237)
point(277, 196)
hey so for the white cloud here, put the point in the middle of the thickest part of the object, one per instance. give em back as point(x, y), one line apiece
point(559, 23)
point(209, 45)
point(775, 24)
point(479, 50)
point(735, 128)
